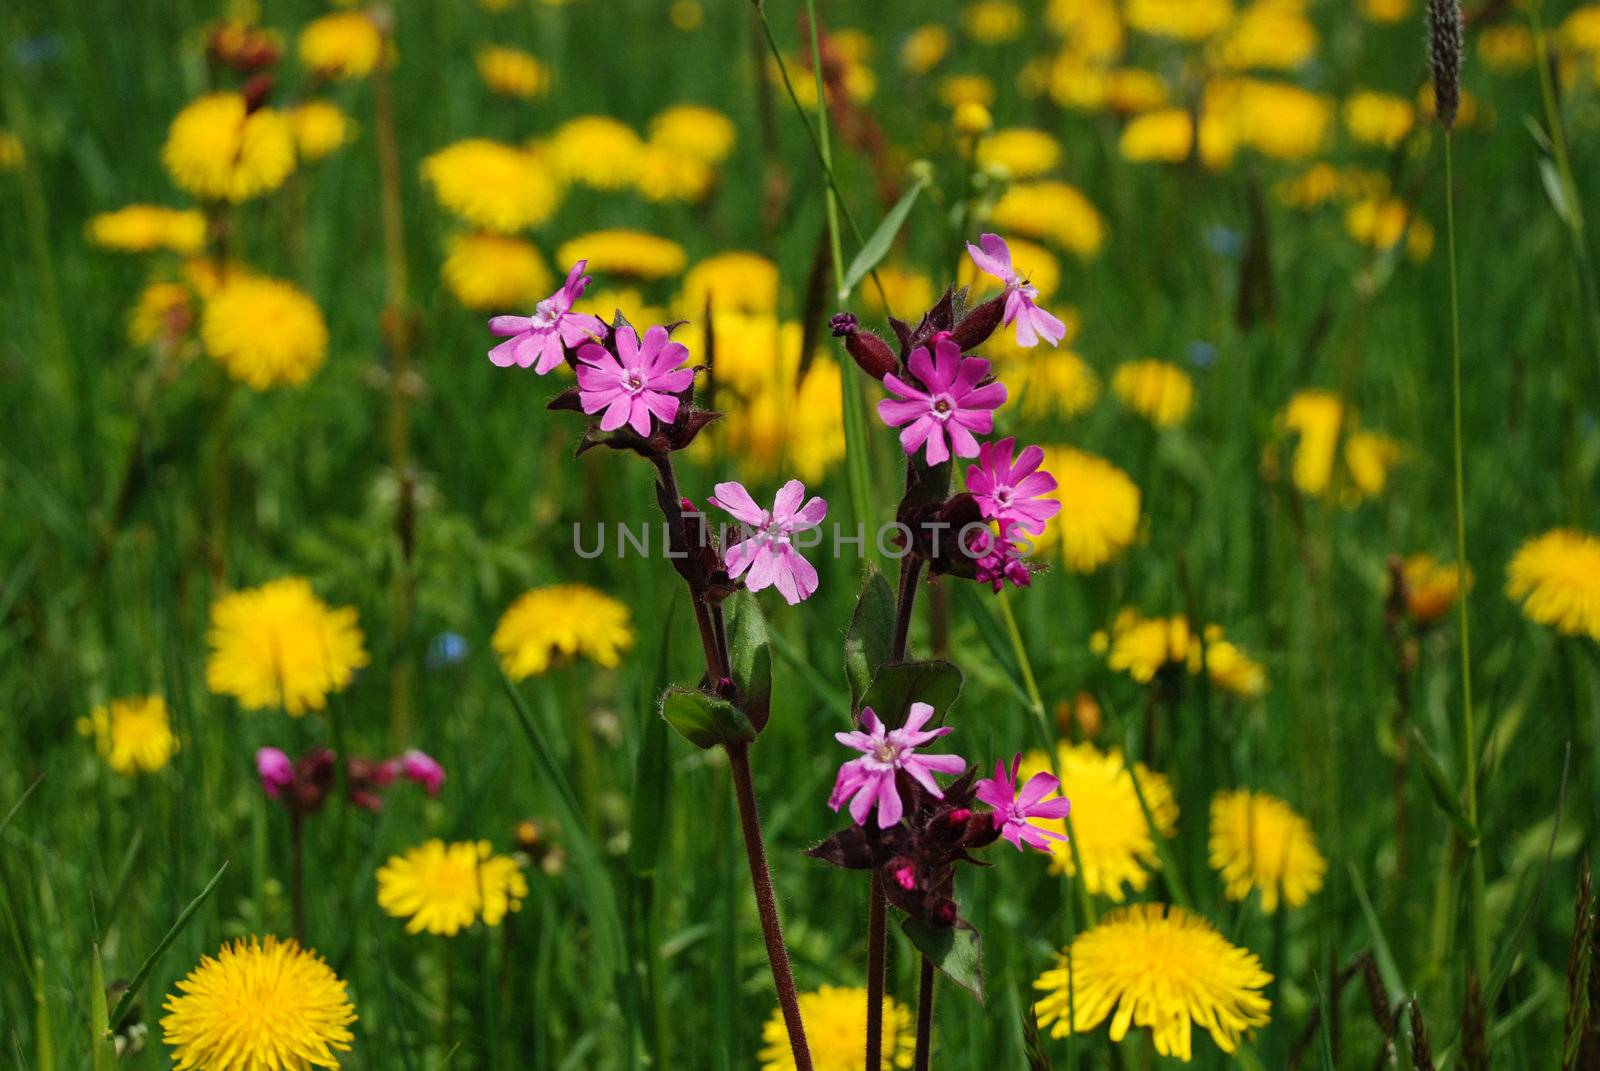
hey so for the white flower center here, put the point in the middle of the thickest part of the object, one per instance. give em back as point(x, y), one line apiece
point(943, 406)
point(886, 753)
point(545, 314)
point(633, 383)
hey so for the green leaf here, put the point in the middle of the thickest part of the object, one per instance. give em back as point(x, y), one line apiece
point(957, 951)
point(871, 633)
point(750, 657)
point(102, 1050)
point(17, 806)
point(1444, 793)
point(899, 684)
point(131, 994)
point(1381, 953)
point(705, 721)
point(652, 774)
point(876, 247)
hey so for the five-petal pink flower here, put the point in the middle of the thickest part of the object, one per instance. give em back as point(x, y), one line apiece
point(1010, 492)
point(954, 406)
point(1033, 323)
point(539, 339)
point(640, 382)
point(768, 556)
point(1013, 809)
point(869, 781)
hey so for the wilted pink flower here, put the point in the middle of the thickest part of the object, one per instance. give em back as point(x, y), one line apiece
point(540, 337)
point(1009, 493)
point(950, 410)
point(275, 769)
point(635, 385)
point(768, 558)
point(1033, 323)
point(1013, 809)
point(423, 769)
point(884, 753)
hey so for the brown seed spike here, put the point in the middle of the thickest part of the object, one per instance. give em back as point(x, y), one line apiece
point(1444, 57)
point(1421, 1048)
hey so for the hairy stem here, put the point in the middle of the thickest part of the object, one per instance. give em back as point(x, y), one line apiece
point(877, 919)
point(925, 983)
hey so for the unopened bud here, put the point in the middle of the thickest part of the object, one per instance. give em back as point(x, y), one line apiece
point(945, 914)
point(959, 816)
point(906, 878)
point(976, 326)
point(870, 352)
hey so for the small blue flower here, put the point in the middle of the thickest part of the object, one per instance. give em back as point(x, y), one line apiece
point(1202, 354)
point(1223, 241)
point(446, 649)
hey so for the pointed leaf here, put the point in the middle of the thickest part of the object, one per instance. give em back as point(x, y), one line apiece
point(877, 244)
point(705, 721)
point(849, 848)
point(652, 775)
point(871, 633)
point(1444, 793)
point(129, 995)
point(957, 951)
point(102, 1051)
point(899, 684)
point(750, 657)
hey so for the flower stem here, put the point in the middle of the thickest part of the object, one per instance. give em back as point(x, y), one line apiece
point(767, 906)
point(925, 983)
point(877, 920)
point(297, 871)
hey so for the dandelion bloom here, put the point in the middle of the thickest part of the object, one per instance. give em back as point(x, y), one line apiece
point(1100, 509)
point(1556, 577)
point(1033, 323)
point(1053, 211)
point(1165, 136)
point(905, 288)
point(1014, 810)
point(1049, 382)
point(319, 129)
point(341, 45)
point(1431, 587)
point(1258, 842)
point(955, 404)
point(1314, 417)
point(497, 187)
point(624, 252)
point(512, 72)
point(1228, 666)
point(133, 735)
point(836, 1029)
point(736, 282)
point(1156, 966)
point(261, 1005)
point(280, 645)
point(1369, 456)
point(1381, 119)
point(668, 174)
point(494, 271)
point(597, 151)
point(1113, 837)
point(264, 332)
point(1144, 646)
point(925, 48)
point(444, 888)
point(219, 150)
point(554, 626)
point(869, 781)
point(768, 557)
point(1159, 391)
point(146, 228)
point(1021, 152)
point(1011, 492)
point(704, 134)
point(639, 382)
point(541, 340)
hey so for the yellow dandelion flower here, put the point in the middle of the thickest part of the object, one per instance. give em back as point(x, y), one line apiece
point(596, 150)
point(924, 48)
point(1033, 262)
point(1267, 35)
point(492, 185)
point(1144, 646)
point(1090, 29)
point(1375, 118)
point(1021, 152)
point(1278, 120)
point(1113, 838)
point(1228, 666)
point(1313, 417)
point(444, 888)
point(1556, 577)
point(959, 89)
point(909, 291)
point(971, 119)
point(1431, 587)
point(164, 313)
point(512, 72)
point(320, 128)
point(11, 152)
point(1369, 456)
point(346, 44)
point(1159, 391)
point(702, 133)
point(1053, 211)
point(133, 735)
point(144, 228)
point(261, 1005)
point(1163, 137)
point(1182, 20)
point(732, 282)
point(624, 252)
point(280, 645)
point(1384, 10)
point(1055, 382)
point(627, 300)
point(1379, 223)
point(1258, 842)
point(205, 275)
point(1130, 89)
point(1099, 515)
point(1156, 966)
point(668, 174)
point(495, 271)
point(1580, 31)
point(218, 151)
point(264, 332)
point(993, 22)
point(756, 353)
point(553, 626)
point(836, 1028)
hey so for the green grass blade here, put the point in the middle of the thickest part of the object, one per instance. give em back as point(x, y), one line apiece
point(877, 244)
point(102, 1051)
point(142, 975)
point(17, 806)
point(1381, 952)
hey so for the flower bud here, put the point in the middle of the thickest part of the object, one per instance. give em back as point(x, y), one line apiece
point(870, 352)
point(972, 119)
point(976, 326)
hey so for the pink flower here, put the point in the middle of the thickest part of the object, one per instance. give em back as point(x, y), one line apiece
point(635, 385)
point(998, 560)
point(1033, 323)
point(1008, 492)
point(423, 769)
point(553, 325)
point(885, 753)
point(953, 405)
point(769, 555)
point(1013, 809)
point(275, 769)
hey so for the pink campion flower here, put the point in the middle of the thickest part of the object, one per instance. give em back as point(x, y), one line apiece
point(869, 781)
point(423, 769)
point(998, 560)
point(1010, 492)
point(638, 383)
point(953, 407)
point(275, 769)
point(538, 339)
point(1033, 323)
point(1013, 809)
point(768, 558)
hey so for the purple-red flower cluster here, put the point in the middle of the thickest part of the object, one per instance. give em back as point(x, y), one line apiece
point(303, 784)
